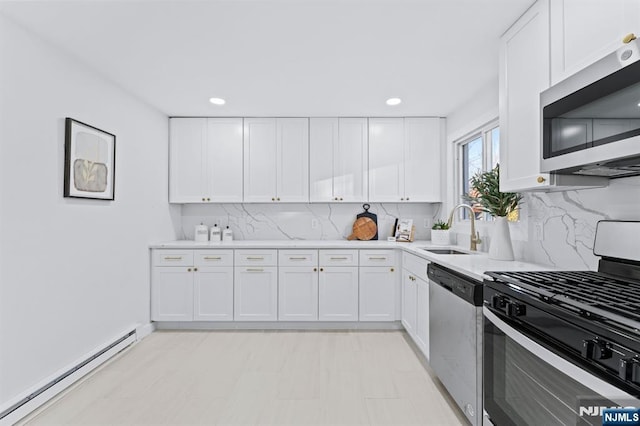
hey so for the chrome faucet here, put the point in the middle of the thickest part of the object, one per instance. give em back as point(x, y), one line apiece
point(475, 236)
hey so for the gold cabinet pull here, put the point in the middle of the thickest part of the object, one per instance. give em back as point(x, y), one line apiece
point(195, 269)
point(297, 258)
point(254, 258)
point(315, 269)
point(540, 179)
point(377, 258)
point(273, 198)
point(189, 270)
point(629, 38)
point(392, 270)
point(321, 269)
point(338, 258)
point(212, 258)
point(173, 258)
point(255, 270)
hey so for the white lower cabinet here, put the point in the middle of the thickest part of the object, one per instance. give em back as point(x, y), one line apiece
point(172, 293)
point(422, 316)
point(256, 293)
point(298, 293)
point(338, 293)
point(377, 293)
point(213, 294)
point(409, 302)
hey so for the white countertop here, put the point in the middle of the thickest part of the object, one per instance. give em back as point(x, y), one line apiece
point(473, 265)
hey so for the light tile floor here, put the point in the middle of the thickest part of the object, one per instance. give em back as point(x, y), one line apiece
point(259, 378)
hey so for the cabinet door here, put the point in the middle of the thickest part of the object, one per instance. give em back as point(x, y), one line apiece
point(213, 294)
point(293, 160)
point(338, 293)
point(524, 73)
point(422, 159)
point(378, 293)
point(584, 31)
point(323, 139)
point(224, 154)
point(256, 294)
point(298, 293)
point(386, 160)
point(172, 294)
point(187, 160)
point(422, 316)
point(350, 160)
point(260, 159)
point(409, 302)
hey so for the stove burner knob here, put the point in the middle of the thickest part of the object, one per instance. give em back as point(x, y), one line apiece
point(515, 309)
point(628, 369)
point(604, 350)
point(498, 302)
point(588, 347)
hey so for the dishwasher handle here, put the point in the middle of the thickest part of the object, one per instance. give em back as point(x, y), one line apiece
point(462, 286)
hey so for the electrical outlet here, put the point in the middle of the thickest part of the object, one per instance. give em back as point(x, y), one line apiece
point(314, 223)
point(427, 223)
point(538, 231)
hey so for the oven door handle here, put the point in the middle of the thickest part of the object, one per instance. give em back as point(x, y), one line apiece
point(594, 383)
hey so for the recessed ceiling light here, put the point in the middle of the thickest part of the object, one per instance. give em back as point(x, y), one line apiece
point(393, 101)
point(217, 101)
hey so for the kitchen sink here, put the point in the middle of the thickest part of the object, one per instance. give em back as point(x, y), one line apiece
point(444, 251)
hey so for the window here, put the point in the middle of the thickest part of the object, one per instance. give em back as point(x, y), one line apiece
point(477, 153)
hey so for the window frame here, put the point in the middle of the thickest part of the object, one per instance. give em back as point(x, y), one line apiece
point(483, 132)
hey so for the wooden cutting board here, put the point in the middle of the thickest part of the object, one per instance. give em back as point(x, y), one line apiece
point(364, 228)
point(372, 216)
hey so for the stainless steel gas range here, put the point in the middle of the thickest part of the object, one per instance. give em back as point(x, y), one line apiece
point(563, 347)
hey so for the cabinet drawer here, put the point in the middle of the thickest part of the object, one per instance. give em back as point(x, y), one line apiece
point(416, 265)
point(377, 258)
point(256, 257)
point(298, 257)
point(173, 258)
point(213, 257)
point(338, 257)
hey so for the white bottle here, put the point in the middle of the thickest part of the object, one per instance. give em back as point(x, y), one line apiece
point(201, 233)
point(227, 235)
point(215, 234)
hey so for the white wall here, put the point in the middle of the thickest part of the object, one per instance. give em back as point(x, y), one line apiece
point(73, 273)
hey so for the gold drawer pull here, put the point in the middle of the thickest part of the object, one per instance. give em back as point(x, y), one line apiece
point(297, 258)
point(255, 258)
point(173, 258)
point(540, 179)
point(338, 258)
point(212, 258)
point(377, 258)
point(255, 270)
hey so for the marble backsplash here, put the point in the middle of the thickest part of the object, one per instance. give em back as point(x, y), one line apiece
point(303, 221)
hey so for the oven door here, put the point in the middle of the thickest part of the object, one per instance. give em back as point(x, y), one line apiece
point(528, 384)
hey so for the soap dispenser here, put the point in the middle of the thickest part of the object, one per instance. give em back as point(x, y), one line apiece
point(201, 233)
point(215, 235)
point(227, 235)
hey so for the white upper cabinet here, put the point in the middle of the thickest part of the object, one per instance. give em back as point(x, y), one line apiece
point(583, 31)
point(205, 160)
point(276, 159)
point(338, 159)
point(422, 159)
point(524, 73)
point(404, 159)
point(187, 157)
point(224, 144)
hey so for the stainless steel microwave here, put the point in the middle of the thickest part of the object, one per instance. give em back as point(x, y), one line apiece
point(591, 121)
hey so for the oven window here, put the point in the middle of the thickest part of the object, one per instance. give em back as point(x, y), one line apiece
point(521, 389)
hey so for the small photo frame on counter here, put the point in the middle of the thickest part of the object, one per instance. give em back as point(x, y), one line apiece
point(405, 230)
point(89, 161)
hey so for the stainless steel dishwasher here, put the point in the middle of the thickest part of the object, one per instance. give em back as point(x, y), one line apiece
point(455, 334)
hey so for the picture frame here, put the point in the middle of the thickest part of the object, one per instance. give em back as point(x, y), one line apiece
point(89, 161)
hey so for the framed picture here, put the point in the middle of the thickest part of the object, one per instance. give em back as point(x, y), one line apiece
point(89, 161)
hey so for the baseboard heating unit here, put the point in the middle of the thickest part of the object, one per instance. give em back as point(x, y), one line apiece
point(44, 392)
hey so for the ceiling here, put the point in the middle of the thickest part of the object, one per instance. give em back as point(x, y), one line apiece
point(283, 57)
